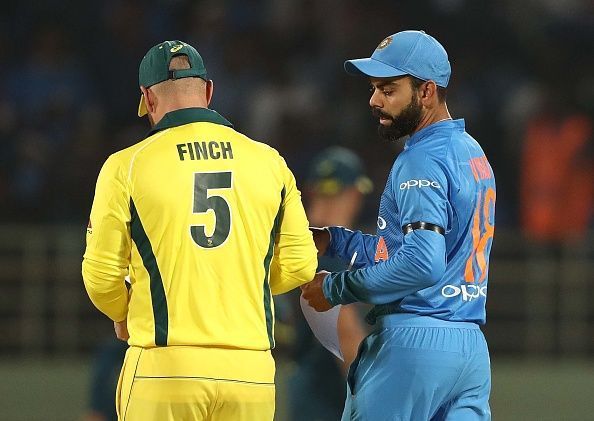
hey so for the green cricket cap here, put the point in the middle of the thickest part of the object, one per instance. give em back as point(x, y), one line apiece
point(336, 168)
point(154, 67)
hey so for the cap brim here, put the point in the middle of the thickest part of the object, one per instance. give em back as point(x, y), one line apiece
point(371, 67)
point(141, 107)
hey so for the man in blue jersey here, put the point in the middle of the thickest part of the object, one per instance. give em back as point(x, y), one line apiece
point(426, 268)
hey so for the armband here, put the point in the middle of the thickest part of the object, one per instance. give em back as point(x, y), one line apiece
point(420, 225)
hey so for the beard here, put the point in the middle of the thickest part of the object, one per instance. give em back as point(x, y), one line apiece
point(403, 124)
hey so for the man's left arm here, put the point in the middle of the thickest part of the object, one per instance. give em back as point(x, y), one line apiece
point(419, 264)
point(421, 191)
point(107, 255)
point(295, 255)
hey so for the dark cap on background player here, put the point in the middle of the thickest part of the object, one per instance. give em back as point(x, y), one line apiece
point(413, 53)
point(154, 67)
point(336, 168)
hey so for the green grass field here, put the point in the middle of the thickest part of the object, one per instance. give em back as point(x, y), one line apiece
point(36, 390)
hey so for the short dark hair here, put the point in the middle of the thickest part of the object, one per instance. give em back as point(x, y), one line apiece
point(441, 92)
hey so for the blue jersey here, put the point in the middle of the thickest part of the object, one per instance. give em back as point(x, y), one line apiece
point(441, 178)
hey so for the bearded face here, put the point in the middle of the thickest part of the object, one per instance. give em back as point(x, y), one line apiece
point(395, 127)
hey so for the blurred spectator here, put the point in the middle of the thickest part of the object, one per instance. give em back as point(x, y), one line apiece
point(335, 190)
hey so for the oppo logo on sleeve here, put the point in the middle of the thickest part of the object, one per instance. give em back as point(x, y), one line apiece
point(410, 184)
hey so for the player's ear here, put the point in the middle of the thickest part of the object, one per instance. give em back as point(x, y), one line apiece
point(428, 92)
point(209, 91)
point(150, 100)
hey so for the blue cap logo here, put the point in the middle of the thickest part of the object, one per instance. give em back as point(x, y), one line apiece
point(385, 42)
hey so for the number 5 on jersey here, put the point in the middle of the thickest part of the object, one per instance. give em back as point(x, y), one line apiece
point(203, 202)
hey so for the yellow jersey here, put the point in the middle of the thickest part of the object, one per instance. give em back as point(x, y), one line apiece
point(208, 224)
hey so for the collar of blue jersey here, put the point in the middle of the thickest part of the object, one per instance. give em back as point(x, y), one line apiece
point(432, 128)
point(189, 115)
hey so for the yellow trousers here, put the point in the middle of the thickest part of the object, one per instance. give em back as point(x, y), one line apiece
point(181, 383)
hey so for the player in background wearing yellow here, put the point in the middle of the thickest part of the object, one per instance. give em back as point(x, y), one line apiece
point(208, 224)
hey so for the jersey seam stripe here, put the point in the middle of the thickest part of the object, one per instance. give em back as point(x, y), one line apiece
point(158, 297)
point(205, 378)
point(140, 150)
point(266, 286)
point(132, 386)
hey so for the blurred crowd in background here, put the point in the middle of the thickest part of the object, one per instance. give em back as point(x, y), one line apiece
point(523, 78)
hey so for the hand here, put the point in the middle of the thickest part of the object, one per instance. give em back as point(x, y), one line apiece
point(321, 237)
point(121, 330)
point(312, 292)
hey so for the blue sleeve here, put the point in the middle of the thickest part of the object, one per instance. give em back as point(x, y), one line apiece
point(344, 243)
point(420, 186)
point(421, 189)
point(418, 264)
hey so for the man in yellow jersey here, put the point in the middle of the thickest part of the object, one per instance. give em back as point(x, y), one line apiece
point(208, 224)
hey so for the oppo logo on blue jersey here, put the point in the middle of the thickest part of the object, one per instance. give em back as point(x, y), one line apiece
point(468, 292)
point(419, 184)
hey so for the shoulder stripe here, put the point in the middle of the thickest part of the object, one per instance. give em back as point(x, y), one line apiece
point(158, 298)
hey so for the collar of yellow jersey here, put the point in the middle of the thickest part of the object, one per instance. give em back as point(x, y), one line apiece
point(189, 115)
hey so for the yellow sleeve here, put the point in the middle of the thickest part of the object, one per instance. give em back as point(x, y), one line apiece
point(107, 256)
point(295, 256)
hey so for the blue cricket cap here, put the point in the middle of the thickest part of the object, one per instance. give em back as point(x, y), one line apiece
point(413, 53)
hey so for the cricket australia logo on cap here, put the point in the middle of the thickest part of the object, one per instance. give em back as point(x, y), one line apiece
point(385, 42)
